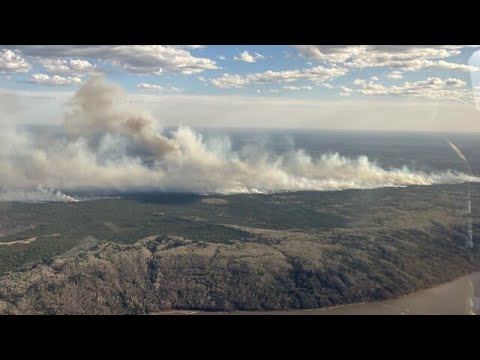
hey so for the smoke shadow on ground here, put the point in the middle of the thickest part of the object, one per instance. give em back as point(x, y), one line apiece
point(164, 198)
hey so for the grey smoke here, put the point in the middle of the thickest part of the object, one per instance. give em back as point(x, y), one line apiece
point(183, 161)
point(40, 194)
point(99, 106)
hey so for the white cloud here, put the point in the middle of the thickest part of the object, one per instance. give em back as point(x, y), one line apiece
point(433, 88)
point(419, 64)
point(346, 91)
point(293, 87)
point(138, 59)
point(10, 62)
point(359, 81)
point(248, 58)
point(150, 87)
point(158, 88)
point(193, 47)
point(221, 57)
point(326, 85)
point(395, 75)
point(374, 78)
point(402, 57)
point(230, 81)
point(71, 67)
point(55, 80)
point(317, 74)
point(330, 53)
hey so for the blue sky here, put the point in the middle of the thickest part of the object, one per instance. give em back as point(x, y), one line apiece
point(236, 76)
point(439, 62)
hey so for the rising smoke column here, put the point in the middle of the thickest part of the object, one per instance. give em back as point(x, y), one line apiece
point(97, 106)
point(460, 155)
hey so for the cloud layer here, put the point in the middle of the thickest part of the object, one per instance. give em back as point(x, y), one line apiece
point(162, 68)
point(55, 80)
point(433, 87)
point(318, 74)
point(157, 88)
point(71, 67)
point(396, 57)
point(137, 59)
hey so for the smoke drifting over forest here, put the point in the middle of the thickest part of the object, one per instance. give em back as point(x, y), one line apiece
point(109, 146)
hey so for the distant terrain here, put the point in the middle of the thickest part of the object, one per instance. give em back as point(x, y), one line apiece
point(146, 253)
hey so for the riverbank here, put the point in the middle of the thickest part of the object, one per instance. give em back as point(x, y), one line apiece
point(456, 297)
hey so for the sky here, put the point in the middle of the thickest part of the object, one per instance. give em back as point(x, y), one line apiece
point(366, 87)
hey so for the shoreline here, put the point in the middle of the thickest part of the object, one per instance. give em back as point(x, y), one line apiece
point(456, 297)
